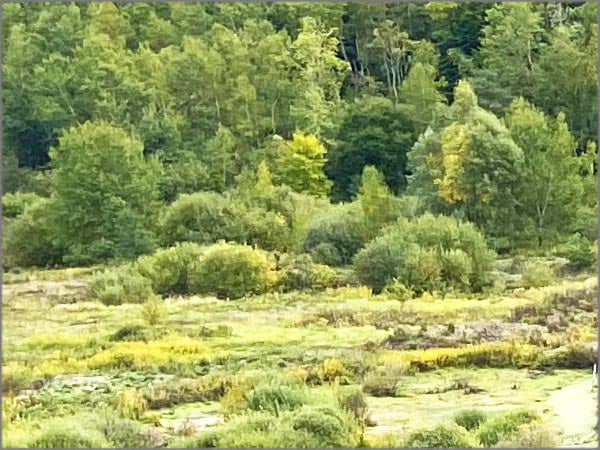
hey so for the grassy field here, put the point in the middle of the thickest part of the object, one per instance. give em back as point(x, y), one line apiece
point(172, 373)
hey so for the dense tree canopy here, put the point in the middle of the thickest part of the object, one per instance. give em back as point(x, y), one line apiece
point(482, 111)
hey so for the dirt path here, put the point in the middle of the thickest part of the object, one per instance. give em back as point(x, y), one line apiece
point(576, 408)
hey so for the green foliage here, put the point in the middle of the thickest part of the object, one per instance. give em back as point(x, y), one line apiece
point(376, 201)
point(207, 217)
point(129, 333)
point(335, 237)
point(552, 186)
point(535, 274)
point(442, 436)
point(470, 419)
point(232, 271)
point(424, 254)
point(66, 433)
point(168, 269)
point(510, 44)
point(28, 239)
point(104, 207)
point(120, 285)
point(323, 426)
point(580, 253)
point(13, 204)
point(373, 131)
point(194, 217)
point(300, 165)
point(130, 403)
point(275, 397)
point(503, 427)
point(120, 432)
point(300, 272)
point(469, 164)
point(153, 311)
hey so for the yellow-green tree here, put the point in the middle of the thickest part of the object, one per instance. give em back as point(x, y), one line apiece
point(300, 165)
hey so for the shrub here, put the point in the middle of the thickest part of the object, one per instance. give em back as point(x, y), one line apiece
point(380, 261)
point(398, 290)
point(300, 272)
point(426, 253)
point(535, 435)
point(211, 387)
point(13, 204)
point(209, 439)
point(120, 285)
point(168, 269)
point(328, 254)
point(324, 426)
point(341, 230)
point(232, 271)
point(28, 239)
point(120, 433)
point(441, 436)
point(256, 226)
point(207, 217)
point(67, 433)
point(504, 427)
point(536, 274)
point(153, 311)
point(332, 369)
point(381, 385)
point(274, 397)
point(196, 217)
point(130, 333)
point(355, 403)
point(470, 418)
point(456, 268)
point(580, 253)
point(130, 403)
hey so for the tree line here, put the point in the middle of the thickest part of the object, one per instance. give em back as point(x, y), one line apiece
point(112, 112)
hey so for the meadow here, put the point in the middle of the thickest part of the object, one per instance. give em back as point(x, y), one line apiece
point(278, 225)
point(511, 367)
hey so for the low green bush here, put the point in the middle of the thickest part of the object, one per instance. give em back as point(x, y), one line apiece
point(120, 285)
point(207, 217)
point(130, 333)
point(442, 436)
point(504, 427)
point(168, 269)
point(232, 271)
point(28, 240)
point(119, 432)
point(536, 274)
point(336, 235)
point(300, 272)
point(424, 254)
point(67, 433)
point(470, 419)
point(322, 426)
point(274, 397)
point(210, 387)
point(580, 253)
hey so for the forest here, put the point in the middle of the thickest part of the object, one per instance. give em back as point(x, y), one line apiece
point(299, 224)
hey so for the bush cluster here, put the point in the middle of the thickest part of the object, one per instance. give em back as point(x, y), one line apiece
point(335, 236)
point(207, 217)
point(225, 270)
point(28, 237)
point(424, 254)
point(120, 285)
point(442, 436)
